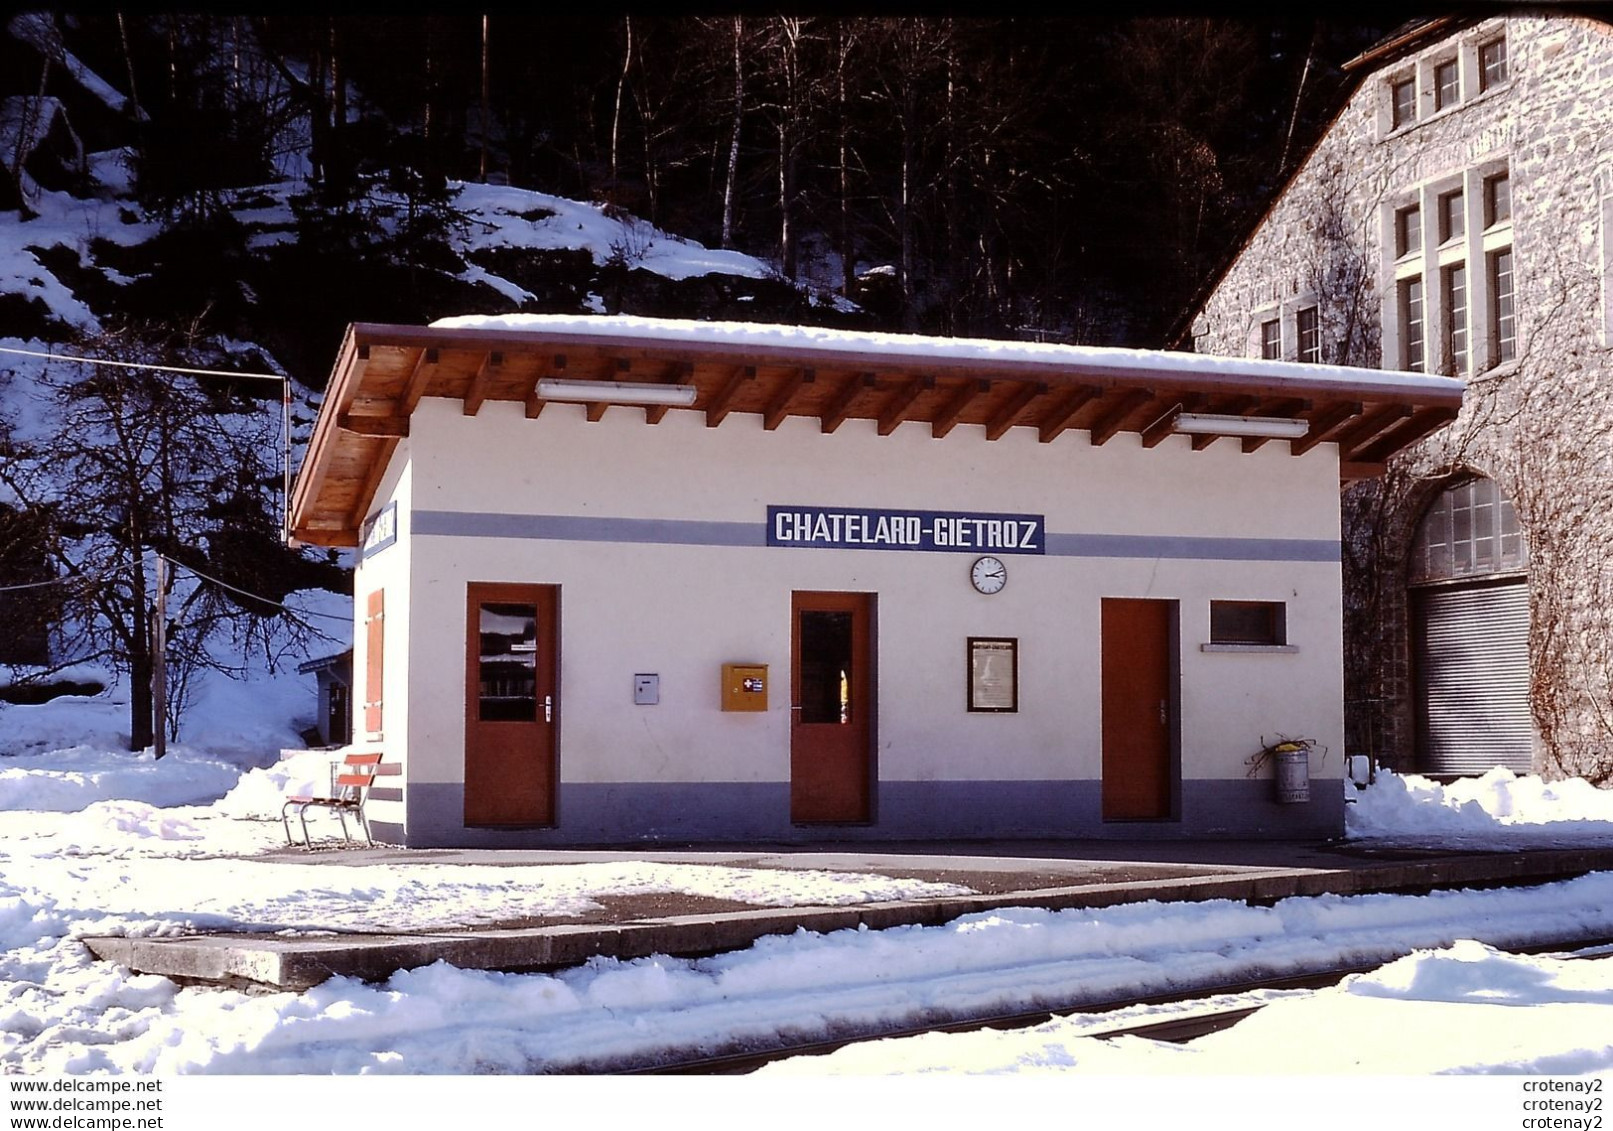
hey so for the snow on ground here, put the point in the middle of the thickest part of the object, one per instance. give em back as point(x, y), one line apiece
point(1467, 1008)
point(1497, 809)
point(503, 217)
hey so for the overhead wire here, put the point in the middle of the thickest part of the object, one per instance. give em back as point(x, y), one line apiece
point(145, 365)
point(285, 404)
point(254, 596)
point(40, 584)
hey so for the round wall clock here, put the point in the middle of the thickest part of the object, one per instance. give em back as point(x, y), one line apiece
point(989, 575)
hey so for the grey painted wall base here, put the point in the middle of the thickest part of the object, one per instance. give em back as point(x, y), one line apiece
point(649, 812)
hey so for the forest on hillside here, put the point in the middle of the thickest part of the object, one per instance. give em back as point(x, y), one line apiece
point(1074, 179)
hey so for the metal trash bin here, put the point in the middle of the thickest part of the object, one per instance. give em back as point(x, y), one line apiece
point(1293, 776)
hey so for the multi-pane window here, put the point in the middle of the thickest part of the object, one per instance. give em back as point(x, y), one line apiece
point(1503, 321)
point(1470, 529)
point(1446, 85)
point(1403, 102)
point(1308, 322)
point(1492, 63)
point(1411, 324)
point(1451, 216)
point(1271, 340)
point(1455, 282)
point(1497, 200)
point(1408, 231)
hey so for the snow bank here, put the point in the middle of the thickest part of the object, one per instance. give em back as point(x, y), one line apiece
point(69, 780)
point(1464, 1009)
point(1499, 804)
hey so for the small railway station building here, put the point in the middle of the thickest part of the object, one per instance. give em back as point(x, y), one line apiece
point(624, 580)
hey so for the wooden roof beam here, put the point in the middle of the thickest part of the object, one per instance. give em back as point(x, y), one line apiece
point(1005, 416)
point(1368, 425)
point(900, 404)
point(372, 483)
point(1324, 421)
point(373, 425)
point(479, 384)
point(596, 409)
point(1062, 414)
point(1423, 422)
point(681, 373)
point(325, 533)
point(1349, 472)
point(721, 403)
point(1110, 421)
point(1165, 425)
point(419, 377)
point(950, 413)
point(779, 407)
point(1231, 406)
point(837, 410)
point(535, 403)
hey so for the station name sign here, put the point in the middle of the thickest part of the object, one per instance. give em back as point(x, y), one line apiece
point(854, 528)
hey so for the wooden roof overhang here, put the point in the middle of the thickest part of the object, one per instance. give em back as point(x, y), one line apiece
point(382, 372)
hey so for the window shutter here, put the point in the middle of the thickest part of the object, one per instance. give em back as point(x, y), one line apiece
point(374, 648)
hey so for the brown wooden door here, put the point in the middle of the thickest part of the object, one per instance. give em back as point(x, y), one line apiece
point(832, 693)
point(512, 704)
point(1139, 677)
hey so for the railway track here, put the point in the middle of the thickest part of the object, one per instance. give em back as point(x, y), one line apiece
point(1181, 1028)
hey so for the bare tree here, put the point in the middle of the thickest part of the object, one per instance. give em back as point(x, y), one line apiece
point(141, 463)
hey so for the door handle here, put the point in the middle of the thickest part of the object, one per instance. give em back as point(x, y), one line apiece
point(1164, 714)
point(548, 708)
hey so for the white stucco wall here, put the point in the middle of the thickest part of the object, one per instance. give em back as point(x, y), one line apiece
point(389, 571)
point(683, 610)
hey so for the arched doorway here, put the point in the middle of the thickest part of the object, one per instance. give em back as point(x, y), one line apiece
point(1470, 604)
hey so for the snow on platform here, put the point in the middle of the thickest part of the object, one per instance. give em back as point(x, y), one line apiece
point(294, 960)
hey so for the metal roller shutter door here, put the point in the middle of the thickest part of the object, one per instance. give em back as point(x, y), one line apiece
point(1473, 676)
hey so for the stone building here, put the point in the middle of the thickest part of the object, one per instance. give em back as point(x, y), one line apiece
point(1457, 218)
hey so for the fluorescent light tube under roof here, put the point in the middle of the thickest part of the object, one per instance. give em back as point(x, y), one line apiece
point(1271, 427)
point(615, 392)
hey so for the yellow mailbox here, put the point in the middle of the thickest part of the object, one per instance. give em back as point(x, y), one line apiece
point(744, 687)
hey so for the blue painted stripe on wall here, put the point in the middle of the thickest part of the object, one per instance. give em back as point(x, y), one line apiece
point(580, 528)
point(1205, 549)
point(695, 812)
point(694, 532)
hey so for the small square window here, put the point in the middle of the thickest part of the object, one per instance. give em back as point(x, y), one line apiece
point(1497, 200)
point(1452, 218)
point(1271, 340)
point(1446, 85)
point(1403, 102)
point(1408, 231)
point(1248, 622)
point(1309, 324)
point(1493, 67)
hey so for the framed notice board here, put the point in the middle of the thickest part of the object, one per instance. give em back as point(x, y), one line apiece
point(994, 674)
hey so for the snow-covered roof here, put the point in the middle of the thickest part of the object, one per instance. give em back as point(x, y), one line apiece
point(772, 372)
point(827, 345)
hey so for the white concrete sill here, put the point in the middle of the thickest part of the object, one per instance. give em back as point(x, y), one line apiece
point(1271, 649)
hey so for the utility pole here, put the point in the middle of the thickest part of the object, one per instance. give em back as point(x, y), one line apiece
point(159, 666)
